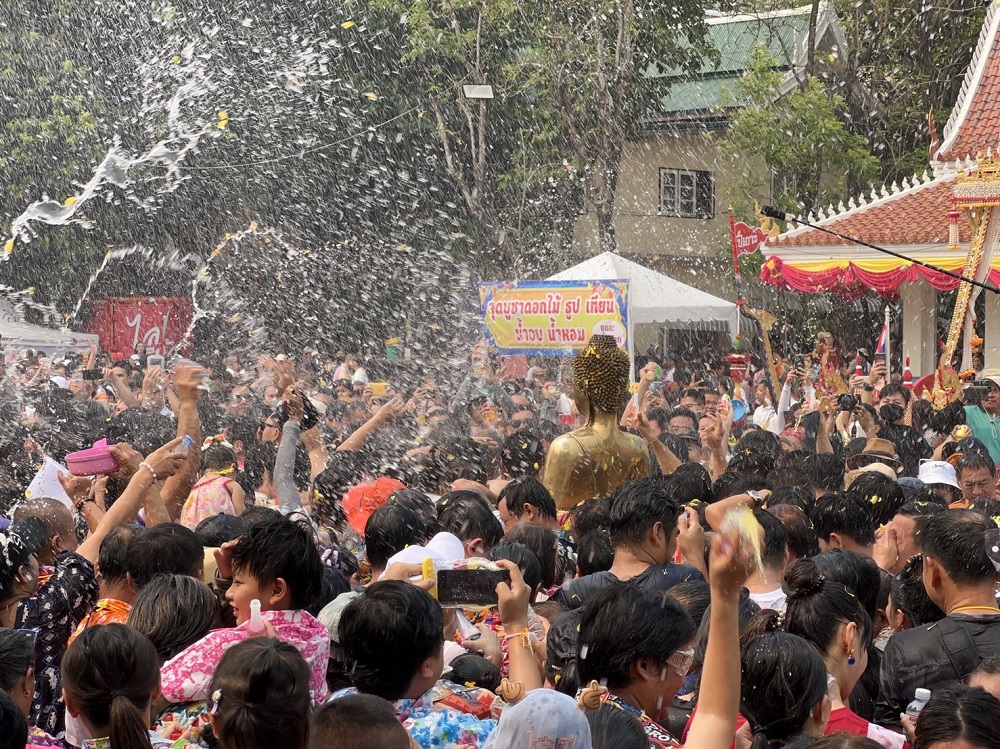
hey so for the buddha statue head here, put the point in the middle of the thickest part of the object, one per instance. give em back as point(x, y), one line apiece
point(600, 373)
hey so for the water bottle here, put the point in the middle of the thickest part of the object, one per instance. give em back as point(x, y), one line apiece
point(256, 627)
point(918, 704)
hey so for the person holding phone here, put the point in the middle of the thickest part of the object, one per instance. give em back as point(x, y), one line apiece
point(393, 634)
point(983, 417)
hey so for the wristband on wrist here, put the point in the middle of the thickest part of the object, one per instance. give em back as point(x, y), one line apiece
point(79, 505)
point(149, 468)
point(524, 637)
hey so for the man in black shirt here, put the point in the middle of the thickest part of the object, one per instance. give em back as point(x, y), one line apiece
point(961, 580)
point(646, 527)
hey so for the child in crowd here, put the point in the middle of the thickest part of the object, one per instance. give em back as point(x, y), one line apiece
point(110, 678)
point(259, 697)
point(358, 721)
point(277, 563)
point(216, 491)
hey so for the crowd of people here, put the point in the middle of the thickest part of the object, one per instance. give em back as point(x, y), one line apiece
point(252, 572)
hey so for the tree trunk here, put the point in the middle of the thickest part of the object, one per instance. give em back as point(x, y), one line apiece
point(811, 43)
point(608, 240)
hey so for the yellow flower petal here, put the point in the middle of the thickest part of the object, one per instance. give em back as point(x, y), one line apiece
point(223, 115)
point(8, 246)
point(371, 95)
point(70, 201)
point(347, 25)
point(222, 124)
point(175, 59)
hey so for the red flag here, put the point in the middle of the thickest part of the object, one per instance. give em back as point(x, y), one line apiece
point(745, 238)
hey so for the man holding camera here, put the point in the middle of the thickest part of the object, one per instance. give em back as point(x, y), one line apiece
point(983, 413)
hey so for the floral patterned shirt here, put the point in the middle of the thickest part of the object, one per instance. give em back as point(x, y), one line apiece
point(107, 611)
point(186, 676)
point(434, 726)
point(54, 612)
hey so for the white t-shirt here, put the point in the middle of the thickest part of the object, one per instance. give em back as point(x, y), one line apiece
point(775, 599)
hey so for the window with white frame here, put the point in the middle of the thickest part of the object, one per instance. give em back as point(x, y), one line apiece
point(687, 193)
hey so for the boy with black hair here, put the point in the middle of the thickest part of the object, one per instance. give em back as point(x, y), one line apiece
point(526, 500)
point(645, 526)
point(116, 595)
point(390, 529)
point(393, 635)
point(357, 721)
point(166, 548)
point(277, 564)
point(842, 521)
point(801, 537)
point(468, 515)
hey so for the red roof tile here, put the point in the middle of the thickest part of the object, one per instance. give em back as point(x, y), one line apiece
point(915, 216)
point(974, 124)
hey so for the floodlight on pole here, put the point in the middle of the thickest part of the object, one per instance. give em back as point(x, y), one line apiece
point(478, 92)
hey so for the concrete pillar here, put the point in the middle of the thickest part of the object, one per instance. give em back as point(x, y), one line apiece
point(991, 345)
point(919, 303)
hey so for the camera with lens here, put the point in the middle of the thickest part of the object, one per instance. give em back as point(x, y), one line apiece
point(848, 402)
point(977, 392)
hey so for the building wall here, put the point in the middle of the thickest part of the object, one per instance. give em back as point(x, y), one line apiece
point(693, 250)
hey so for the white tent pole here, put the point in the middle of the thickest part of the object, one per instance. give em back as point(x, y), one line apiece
point(631, 339)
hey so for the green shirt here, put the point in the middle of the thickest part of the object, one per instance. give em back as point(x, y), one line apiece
point(984, 428)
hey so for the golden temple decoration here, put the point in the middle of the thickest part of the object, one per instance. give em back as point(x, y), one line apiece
point(767, 224)
point(975, 195)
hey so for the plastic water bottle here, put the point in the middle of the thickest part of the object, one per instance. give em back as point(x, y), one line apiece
point(918, 704)
point(256, 628)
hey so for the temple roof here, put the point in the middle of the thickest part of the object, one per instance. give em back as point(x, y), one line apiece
point(914, 214)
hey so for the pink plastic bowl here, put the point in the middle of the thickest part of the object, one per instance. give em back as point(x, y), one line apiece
point(92, 461)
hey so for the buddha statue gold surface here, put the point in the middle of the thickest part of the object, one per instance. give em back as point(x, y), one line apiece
point(591, 461)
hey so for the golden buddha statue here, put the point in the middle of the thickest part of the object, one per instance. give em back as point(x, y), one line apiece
point(591, 461)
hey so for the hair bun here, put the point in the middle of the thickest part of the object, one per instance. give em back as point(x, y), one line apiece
point(803, 579)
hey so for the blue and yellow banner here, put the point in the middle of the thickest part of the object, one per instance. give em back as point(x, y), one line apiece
point(554, 318)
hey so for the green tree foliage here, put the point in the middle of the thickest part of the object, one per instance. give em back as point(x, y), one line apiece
point(795, 145)
point(904, 59)
point(571, 84)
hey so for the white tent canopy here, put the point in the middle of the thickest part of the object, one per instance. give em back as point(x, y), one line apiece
point(17, 334)
point(656, 298)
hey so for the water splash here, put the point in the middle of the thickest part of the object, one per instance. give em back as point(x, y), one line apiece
point(114, 171)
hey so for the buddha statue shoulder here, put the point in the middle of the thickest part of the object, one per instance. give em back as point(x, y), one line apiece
point(590, 462)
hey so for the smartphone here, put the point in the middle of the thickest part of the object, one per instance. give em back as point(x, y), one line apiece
point(379, 389)
point(154, 360)
point(470, 587)
point(92, 374)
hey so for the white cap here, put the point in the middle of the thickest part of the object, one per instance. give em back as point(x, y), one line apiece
point(59, 381)
point(444, 547)
point(922, 694)
point(937, 472)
